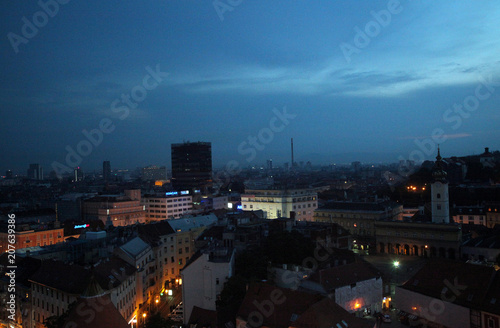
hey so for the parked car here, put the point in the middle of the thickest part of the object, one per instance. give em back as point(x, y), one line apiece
point(386, 318)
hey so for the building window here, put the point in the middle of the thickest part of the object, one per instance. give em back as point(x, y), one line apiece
point(439, 206)
point(438, 196)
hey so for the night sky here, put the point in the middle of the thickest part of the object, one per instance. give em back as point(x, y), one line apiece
point(360, 80)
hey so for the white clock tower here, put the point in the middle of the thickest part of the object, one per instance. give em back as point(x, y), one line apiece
point(439, 191)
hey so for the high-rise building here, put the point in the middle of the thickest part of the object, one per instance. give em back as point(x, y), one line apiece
point(77, 174)
point(192, 165)
point(35, 172)
point(8, 174)
point(106, 171)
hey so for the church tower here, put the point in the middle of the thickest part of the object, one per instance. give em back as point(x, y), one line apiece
point(439, 191)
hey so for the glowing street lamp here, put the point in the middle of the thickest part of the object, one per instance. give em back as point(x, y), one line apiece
point(396, 264)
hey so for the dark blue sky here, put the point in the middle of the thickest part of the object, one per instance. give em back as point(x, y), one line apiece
point(371, 99)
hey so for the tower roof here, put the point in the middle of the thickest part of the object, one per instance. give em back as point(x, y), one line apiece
point(438, 172)
point(93, 289)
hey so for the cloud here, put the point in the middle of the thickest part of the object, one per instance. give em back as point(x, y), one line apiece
point(445, 136)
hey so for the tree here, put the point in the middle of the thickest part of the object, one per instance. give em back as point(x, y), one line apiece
point(156, 321)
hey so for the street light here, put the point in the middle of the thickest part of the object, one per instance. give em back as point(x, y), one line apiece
point(396, 264)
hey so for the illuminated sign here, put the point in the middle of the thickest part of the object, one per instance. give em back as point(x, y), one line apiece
point(239, 207)
point(171, 193)
point(185, 192)
point(82, 226)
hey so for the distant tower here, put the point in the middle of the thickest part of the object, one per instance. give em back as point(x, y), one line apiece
point(35, 172)
point(439, 191)
point(106, 171)
point(292, 151)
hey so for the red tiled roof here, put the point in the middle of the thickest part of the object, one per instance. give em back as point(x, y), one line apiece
point(344, 275)
point(439, 277)
point(326, 313)
point(203, 318)
point(96, 312)
point(282, 315)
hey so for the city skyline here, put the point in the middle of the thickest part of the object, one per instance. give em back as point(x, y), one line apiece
point(370, 83)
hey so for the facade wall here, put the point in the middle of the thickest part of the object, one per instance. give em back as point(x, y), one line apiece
point(470, 219)
point(357, 222)
point(32, 238)
point(419, 239)
point(492, 216)
point(122, 213)
point(47, 302)
point(280, 203)
point(203, 280)
point(363, 295)
point(124, 298)
point(480, 254)
point(433, 309)
point(490, 320)
point(440, 203)
point(163, 208)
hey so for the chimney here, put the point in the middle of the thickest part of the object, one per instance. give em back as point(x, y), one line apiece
point(486, 150)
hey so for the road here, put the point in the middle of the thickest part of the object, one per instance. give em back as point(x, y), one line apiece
point(169, 302)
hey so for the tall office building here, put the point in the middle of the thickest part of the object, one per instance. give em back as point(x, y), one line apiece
point(35, 172)
point(106, 171)
point(77, 174)
point(192, 165)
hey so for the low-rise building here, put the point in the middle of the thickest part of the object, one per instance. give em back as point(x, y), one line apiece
point(359, 218)
point(56, 285)
point(452, 294)
point(116, 210)
point(169, 205)
point(419, 238)
point(357, 287)
point(492, 215)
point(204, 276)
point(469, 215)
point(265, 305)
point(25, 268)
point(297, 203)
point(30, 235)
point(482, 248)
point(140, 255)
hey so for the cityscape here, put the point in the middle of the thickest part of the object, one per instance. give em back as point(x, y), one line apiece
point(236, 164)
